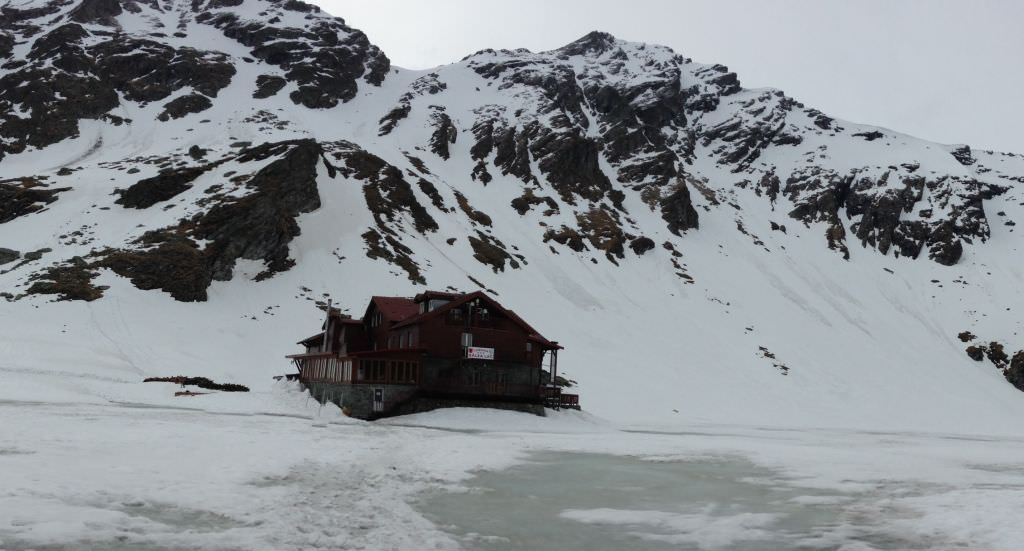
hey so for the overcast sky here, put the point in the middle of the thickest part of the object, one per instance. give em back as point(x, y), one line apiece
point(946, 71)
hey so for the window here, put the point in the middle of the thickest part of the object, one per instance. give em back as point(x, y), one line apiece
point(361, 371)
point(378, 370)
point(455, 315)
point(483, 315)
point(529, 346)
point(402, 340)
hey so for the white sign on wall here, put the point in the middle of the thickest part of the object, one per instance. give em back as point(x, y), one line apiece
point(477, 353)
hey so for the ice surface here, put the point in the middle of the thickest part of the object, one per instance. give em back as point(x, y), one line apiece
point(285, 474)
point(587, 501)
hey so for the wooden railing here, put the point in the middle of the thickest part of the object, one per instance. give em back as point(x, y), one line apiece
point(326, 367)
point(315, 366)
point(555, 398)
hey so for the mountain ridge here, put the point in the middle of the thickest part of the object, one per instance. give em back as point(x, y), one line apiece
point(189, 155)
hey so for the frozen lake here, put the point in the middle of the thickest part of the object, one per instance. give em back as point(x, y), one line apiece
point(581, 501)
point(286, 478)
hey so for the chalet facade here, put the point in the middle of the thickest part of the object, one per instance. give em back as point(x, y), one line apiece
point(434, 350)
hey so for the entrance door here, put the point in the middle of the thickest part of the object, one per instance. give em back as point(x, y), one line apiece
point(378, 400)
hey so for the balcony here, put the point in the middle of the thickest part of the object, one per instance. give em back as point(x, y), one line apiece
point(555, 398)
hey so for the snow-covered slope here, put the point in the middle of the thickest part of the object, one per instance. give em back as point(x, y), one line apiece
point(193, 177)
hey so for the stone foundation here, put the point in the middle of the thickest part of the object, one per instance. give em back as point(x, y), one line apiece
point(420, 404)
point(358, 400)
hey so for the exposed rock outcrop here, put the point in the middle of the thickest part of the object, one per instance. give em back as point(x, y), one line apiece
point(325, 58)
point(163, 186)
point(185, 105)
point(24, 196)
point(1015, 373)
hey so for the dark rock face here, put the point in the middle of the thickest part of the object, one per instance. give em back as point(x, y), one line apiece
point(444, 134)
point(184, 105)
point(475, 215)
point(161, 187)
point(146, 70)
point(387, 192)
point(602, 228)
point(64, 81)
point(641, 245)
point(570, 162)
point(1015, 373)
point(976, 353)
point(822, 196)
point(197, 152)
point(997, 354)
point(389, 121)
point(677, 210)
point(259, 226)
point(6, 45)
point(759, 124)
point(637, 122)
point(71, 281)
point(326, 58)
point(566, 236)
point(256, 226)
point(97, 11)
point(388, 195)
point(528, 200)
point(492, 252)
point(73, 73)
point(23, 197)
point(425, 85)
point(963, 155)
point(870, 136)
point(8, 255)
point(268, 85)
point(173, 264)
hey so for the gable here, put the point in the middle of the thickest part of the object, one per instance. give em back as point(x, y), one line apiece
point(492, 304)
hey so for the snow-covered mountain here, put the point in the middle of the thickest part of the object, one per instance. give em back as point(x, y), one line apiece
point(182, 181)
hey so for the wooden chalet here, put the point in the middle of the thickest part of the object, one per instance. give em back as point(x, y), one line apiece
point(434, 350)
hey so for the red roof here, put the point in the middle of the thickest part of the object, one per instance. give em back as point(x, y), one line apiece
point(532, 333)
point(444, 295)
point(395, 308)
point(319, 337)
